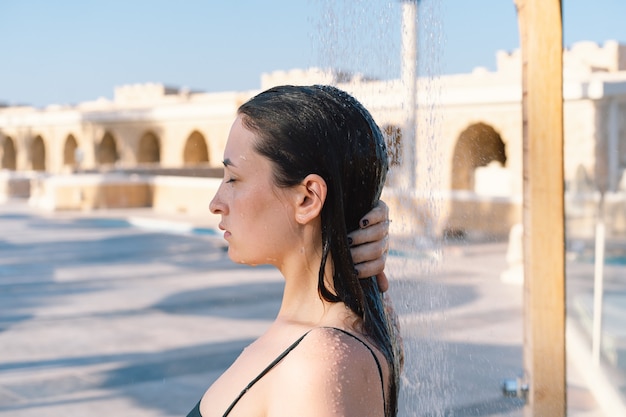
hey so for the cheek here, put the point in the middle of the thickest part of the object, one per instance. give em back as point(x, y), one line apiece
point(247, 208)
point(264, 216)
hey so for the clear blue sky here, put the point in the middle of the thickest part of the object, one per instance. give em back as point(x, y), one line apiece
point(67, 51)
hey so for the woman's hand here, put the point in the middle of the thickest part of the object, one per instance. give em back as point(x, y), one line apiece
point(370, 244)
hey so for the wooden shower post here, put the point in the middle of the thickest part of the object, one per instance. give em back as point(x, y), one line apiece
point(541, 39)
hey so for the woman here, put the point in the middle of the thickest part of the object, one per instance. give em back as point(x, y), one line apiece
point(303, 165)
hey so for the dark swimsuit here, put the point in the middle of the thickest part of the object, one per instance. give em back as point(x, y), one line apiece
point(196, 410)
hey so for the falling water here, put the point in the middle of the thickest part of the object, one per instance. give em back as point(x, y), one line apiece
point(364, 37)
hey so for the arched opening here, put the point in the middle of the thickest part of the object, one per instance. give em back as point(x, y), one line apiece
point(38, 154)
point(107, 150)
point(477, 146)
point(9, 156)
point(393, 138)
point(69, 151)
point(196, 151)
point(149, 149)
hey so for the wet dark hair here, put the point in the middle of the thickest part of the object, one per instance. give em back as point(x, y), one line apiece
point(323, 130)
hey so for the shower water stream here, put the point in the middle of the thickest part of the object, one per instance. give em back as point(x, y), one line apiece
point(379, 49)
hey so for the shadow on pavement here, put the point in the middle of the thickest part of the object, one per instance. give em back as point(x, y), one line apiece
point(261, 301)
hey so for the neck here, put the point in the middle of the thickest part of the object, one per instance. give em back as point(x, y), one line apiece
point(302, 303)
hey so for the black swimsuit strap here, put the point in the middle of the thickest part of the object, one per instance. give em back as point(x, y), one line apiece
point(287, 351)
point(265, 371)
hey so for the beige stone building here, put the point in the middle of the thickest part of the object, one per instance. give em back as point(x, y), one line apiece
point(152, 145)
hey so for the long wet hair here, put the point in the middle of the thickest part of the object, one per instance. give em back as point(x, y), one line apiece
point(323, 130)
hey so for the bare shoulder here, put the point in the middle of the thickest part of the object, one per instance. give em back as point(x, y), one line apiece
point(340, 346)
point(330, 373)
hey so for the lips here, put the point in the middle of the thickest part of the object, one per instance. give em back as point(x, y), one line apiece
point(226, 232)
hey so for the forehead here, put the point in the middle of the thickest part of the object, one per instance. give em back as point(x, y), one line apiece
point(240, 143)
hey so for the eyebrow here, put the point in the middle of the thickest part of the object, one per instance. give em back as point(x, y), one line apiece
point(227, 162)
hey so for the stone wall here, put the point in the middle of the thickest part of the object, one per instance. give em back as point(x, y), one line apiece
point(164, 194)
point(14, 185)
point(449, 111)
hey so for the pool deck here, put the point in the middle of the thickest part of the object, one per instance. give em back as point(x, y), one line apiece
point(132, 313)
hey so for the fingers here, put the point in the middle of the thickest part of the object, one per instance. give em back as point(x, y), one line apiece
point(370, 268)
point(383, 282)
point(373, 233)
point(367, 269)
point(370, 251)
point(370, 258)
point(370, 243)
point(378, 214)
point(373, 226)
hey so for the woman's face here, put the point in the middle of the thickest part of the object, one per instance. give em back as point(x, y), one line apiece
point(257, 217)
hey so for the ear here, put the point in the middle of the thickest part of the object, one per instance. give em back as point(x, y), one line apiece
point(311, 196)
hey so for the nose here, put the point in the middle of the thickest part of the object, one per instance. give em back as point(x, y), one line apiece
point(217, 206)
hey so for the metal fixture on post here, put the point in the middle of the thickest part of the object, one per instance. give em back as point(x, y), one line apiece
point(516, 388)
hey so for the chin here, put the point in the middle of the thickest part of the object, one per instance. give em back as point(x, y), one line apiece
point(244, 261)
point(232, 256)
point(236, 258)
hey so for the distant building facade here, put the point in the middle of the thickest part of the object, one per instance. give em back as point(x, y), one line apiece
point(468, 150)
